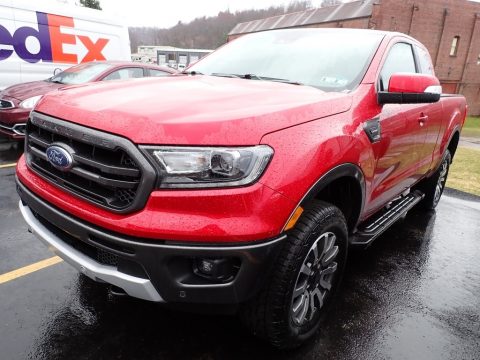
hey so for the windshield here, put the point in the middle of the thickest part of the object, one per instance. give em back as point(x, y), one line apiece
point(80, 74)
point(331, 60)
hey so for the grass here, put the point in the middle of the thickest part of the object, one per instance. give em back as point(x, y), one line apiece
point(464, 173)
point(471, 127)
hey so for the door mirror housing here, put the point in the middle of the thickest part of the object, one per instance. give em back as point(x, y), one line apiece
point(57, 71)
point(411, 89)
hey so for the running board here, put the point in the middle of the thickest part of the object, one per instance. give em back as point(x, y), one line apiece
point(374, 227)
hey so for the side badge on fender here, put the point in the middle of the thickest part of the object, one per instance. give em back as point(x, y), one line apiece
point(373, 130)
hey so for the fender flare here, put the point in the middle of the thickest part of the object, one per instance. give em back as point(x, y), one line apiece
point(344, 170)
point(456, 129)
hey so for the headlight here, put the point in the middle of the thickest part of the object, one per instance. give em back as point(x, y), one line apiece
point(192, 167)
point(30, 102)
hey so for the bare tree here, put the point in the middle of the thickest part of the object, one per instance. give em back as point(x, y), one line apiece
point(207, 32)
point(94, 4)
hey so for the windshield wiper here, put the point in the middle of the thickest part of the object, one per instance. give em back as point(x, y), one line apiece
point(192, 72)
point(266, 78)
point(226, 75)
point(256, 77)
point(57, 82)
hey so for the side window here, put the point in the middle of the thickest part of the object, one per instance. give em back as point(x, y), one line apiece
point(125, 73)
point(158, 73)
point(424, 60)
point(399, 60)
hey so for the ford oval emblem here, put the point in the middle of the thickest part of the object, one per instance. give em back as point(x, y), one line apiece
point(59, 157)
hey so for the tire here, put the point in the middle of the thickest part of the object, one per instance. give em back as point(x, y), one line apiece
point(312, 261)
point(433, 186)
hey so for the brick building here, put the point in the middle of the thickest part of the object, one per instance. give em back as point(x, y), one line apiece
point(450, 29)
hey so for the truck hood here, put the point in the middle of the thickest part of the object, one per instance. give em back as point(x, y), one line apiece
point(27, 90)
point(192, 110)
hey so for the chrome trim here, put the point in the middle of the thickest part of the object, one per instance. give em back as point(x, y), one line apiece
point(13, 128)
point(133, 286)
point(6, 127)
point(434, 89)
point(19, 132)
point(12, 105)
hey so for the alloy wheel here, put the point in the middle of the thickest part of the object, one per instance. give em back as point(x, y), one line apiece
point(441, 180)
point(314, 280)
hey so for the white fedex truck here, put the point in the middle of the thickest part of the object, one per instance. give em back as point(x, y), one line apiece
point(37, 37)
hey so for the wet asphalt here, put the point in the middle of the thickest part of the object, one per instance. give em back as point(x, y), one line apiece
point(414, 294)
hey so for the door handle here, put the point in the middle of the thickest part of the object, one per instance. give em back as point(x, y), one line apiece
point(422, 119)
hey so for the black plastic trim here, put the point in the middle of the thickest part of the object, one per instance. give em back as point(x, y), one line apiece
point(373, 129)
point(385, 97)
point(103, 140)
point(168, 266)
point(343, 170)
point(377, 224)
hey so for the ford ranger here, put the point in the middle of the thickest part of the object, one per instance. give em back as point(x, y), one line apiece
point(245, 180)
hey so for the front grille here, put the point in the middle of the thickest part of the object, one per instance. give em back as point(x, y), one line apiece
point(5, 104)
point(105, 171)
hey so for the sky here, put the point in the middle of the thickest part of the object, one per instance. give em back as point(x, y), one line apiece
point(167, 13)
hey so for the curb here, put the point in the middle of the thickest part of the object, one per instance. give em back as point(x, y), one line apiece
point(461, 194)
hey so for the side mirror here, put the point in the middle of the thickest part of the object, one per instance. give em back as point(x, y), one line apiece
point(57, 71)
point(411, 89)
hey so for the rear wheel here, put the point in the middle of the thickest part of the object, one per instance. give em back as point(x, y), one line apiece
point(433, 186)
point(305, 278)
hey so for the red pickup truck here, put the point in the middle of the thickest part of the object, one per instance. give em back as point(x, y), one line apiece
point(245, 180)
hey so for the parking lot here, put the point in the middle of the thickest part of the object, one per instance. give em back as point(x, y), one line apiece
point(413, 295)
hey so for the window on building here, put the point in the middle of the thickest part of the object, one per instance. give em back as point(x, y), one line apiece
point(182, 58)
point(162, 59)
point(399, 60)
point(454, 48)
point(194, 59)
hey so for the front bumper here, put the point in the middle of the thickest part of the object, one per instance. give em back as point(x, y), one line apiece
point(158, 271)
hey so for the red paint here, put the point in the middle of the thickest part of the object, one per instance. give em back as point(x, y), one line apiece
point(17, 93)
point(411, 83)
point(310, 131)
point(244, 214)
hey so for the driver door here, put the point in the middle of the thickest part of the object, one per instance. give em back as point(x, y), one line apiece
point(398, 150)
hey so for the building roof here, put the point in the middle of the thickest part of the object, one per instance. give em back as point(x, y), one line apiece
point(344, 11)
point(170, 48)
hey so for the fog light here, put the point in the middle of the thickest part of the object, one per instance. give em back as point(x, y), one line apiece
point(205, 266)
point(220, 270)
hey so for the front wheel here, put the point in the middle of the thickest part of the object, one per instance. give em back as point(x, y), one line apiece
point(304, 280)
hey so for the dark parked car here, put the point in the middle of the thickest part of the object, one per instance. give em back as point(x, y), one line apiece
point(17, 101)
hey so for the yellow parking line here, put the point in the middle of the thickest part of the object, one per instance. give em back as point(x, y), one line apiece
point(7, 165)
point(12, 275)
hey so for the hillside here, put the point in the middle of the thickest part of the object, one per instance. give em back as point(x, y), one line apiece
point(206, 32)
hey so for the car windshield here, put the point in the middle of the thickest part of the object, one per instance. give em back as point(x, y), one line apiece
point(80, 74)
point(331, 60)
